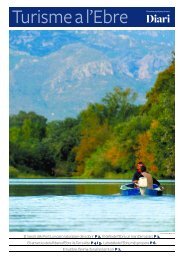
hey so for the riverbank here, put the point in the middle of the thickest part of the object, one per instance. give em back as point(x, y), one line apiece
point(26, 173)
point(30, 174)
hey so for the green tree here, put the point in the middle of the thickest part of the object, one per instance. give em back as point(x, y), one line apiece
point(119, 105)
point(62, 137)
point(160, 106)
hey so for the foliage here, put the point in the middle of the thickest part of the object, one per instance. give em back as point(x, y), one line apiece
point(106, 139)
point(160, 106)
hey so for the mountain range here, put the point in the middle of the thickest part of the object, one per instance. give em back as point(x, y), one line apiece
point(58, 73)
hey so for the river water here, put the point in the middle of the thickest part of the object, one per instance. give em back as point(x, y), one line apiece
point(71, 205)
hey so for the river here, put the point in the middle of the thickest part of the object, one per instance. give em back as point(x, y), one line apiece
point(75, 205)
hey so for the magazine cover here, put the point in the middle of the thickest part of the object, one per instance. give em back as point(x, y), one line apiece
point(91, 127)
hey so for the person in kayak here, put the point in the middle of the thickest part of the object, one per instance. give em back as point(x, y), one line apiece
point(138, 174)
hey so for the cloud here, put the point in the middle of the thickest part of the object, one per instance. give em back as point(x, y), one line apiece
point(47, 43)
point(124, 37)
point(144, 64)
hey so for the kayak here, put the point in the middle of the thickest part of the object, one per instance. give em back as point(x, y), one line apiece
point(130, 190)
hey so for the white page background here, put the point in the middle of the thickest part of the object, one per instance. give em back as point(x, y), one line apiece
point(4, 125)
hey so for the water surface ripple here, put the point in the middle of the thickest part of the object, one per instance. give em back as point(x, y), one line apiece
point(88, 207)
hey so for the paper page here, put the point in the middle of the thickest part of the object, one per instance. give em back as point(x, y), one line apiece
point(88, 103)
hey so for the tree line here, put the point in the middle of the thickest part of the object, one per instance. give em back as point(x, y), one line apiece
point(104, 140)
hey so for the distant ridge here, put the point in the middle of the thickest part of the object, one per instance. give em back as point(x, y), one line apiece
point(57, 73)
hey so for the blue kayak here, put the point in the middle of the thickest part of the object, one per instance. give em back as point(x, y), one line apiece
point(130, 190)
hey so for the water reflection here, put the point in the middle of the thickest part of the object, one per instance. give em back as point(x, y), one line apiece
point(37, 189)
